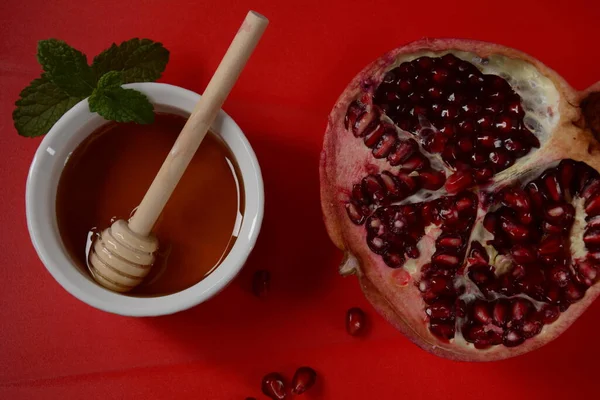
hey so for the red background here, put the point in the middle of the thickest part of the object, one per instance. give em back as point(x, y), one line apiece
point(53, 346)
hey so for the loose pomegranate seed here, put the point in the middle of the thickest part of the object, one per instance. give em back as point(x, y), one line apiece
point(355, 321)
point(261, 283)
point(273, 386)
point(304, 379)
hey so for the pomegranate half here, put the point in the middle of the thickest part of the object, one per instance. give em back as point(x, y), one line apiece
point(461, 180)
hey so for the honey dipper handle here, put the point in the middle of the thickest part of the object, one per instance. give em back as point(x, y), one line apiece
point(198, 123)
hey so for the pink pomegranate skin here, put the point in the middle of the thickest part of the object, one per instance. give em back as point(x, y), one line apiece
point(394, 292)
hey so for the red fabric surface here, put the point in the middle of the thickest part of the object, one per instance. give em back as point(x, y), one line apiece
point(53, 346)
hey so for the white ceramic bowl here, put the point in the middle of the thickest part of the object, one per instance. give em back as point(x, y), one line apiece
point(46, 168)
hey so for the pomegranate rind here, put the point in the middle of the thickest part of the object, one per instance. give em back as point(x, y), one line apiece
point(401, 303)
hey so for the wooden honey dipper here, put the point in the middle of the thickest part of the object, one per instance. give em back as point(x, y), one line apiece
point(122, 255)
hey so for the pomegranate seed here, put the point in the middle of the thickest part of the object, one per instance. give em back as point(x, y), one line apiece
point(497, 96)
point(355, 110)
point(373, 189)
point(500, 313)
point(525, 218)
point(391, 183)
point(535, 195)
point(552, 187)
point(440, 75)
point(490, 222)
point(441, 285)
point(551, 245)
point(531, 328)
point(440, 310)
point(529, 138)
point(520, 309)
point(522, 254)
point(443, 331)
point(550, 314)
point(516, 198)
point(355, 214)
point(406, 69)
point(483, 175)
point(409, 182)
point(416, 163)
point(273, 386)
point(445, 260)
point(373, 138)
point(504, 124)
point(436, 142)
point(591, 237)
point(573, 293)
point(450, 60)
point(459, 181)
point(486, 140)
point(481, 274)
point(592, 207)
point(377, 244)
point(304, 379)
point(411, 251)
point(511, 338)
point(261, 283)
point(478, 255)
point(559, 214)
point(587, 270)
point(434, 92)
point(425, 63)
point(465, 144)
point(500, 159)
point(355, 321)
point(393, 260)
point(479, 158)
point(481, 312)
point(467, 126)
point(452, 241)
point(485, 121)
point(405, 85)
point(515, 231)
point(591, 189)
point(515, 109)
point(551, 229)
point(494, 108)
point(447, 130)
point(432, 179)
point(385, 145)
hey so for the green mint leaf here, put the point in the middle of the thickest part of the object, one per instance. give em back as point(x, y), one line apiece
point(110, 80)
point(40, 105)
point(66, 67)
point(140, 60)
point(122, 105)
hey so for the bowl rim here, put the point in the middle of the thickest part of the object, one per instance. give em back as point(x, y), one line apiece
point(46, 239)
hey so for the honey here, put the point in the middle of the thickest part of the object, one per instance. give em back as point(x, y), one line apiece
point(107, 176)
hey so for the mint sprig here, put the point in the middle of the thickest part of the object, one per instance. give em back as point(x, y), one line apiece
point(67, 79)
point(115, 103)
